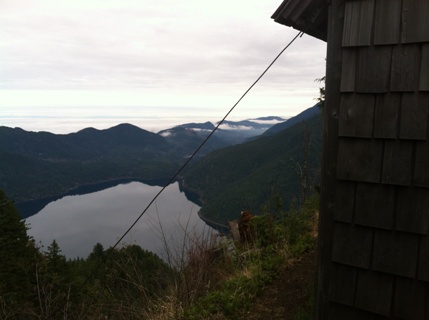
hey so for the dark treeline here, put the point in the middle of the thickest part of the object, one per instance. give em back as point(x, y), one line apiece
point(40, 283)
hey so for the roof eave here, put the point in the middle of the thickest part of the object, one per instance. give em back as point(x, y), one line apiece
point(308, 16)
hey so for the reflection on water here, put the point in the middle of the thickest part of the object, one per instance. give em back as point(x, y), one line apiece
point(78, 222)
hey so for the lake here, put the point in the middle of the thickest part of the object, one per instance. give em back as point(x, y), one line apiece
point(78, 222)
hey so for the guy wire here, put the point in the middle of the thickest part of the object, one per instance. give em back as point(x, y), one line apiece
point(182, 167)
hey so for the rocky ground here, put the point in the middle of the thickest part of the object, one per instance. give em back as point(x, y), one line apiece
point(290, 296)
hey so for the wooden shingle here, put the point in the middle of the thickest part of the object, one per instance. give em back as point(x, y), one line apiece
point(342, 288)
point(375, 204)
point(423, 273)
point(397, 162)
point(358, 20)
point(342, 312)
point(374, 292)
point(374, 208)
point(352, 245)
point(294, 10)
point(359, 159)
point(405, 68)
point(421, 172)
point(345, 196)
point(395, 253)
point(356, 115)
point(411, 213)
point(414, 116)
point(309, 16)
point(424, 67)
point(373, 69)
point(410, 299)
point(387, 22)
point(348, 71)
point(387, 115)
point(415, 21)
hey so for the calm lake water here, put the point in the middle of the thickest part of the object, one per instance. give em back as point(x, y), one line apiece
point(78, 222)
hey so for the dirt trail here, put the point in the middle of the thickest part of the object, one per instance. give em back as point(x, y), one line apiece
point(289, 293)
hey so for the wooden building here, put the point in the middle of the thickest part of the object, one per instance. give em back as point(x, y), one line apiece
point(374, 215)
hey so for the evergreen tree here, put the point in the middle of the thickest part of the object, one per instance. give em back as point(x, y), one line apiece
point(56, 261)
point(17, 253)
point(97, 253)
point(53, 283)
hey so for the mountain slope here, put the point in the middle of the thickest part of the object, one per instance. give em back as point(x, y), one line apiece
point(185, 140)
point(251, 174)
point(41, 164)
point(87, 144)
point(305, 115)
point(187, 137)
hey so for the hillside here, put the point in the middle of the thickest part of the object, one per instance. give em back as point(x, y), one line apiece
point(303, 116)
point(185, 140)
point(251, 174)
point(211, 277)
point(291, 295)
point(87, 144)
point(187, 137)
point(41, 164)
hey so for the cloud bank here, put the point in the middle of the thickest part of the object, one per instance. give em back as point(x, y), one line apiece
point(201, 54)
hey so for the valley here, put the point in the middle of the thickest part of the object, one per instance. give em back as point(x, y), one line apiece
point(247, 164)
point(90, 189)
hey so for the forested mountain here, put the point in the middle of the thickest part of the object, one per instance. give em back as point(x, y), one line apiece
point(187, 137)
point(303, 116)
point(88, 144)
point(248, 175)
point(115, 283)
point(41, 164)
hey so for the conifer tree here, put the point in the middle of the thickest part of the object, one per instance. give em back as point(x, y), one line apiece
point(17, 253)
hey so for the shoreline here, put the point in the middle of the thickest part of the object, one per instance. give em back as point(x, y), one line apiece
point(29, 208)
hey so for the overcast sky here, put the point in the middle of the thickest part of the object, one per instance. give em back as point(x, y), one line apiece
point(69, 64)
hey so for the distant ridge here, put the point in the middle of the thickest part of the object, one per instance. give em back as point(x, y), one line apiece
point(86, 144)
point(37, 165)
point(41, 164)
point(188, 136)
point(269, 118)
point(206, 125)
point(305, 115)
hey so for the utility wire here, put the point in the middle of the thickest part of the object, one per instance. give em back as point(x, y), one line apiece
point(186, 162)
point(205, 140)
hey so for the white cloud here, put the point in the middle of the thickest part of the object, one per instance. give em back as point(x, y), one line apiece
point(166, 134)
point(237, 127)
point(268, 122)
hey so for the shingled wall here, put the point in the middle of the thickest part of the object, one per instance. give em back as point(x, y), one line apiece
point(380, 231)
point(374, 227)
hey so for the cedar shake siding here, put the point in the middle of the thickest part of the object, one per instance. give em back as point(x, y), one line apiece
point(374, 208)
